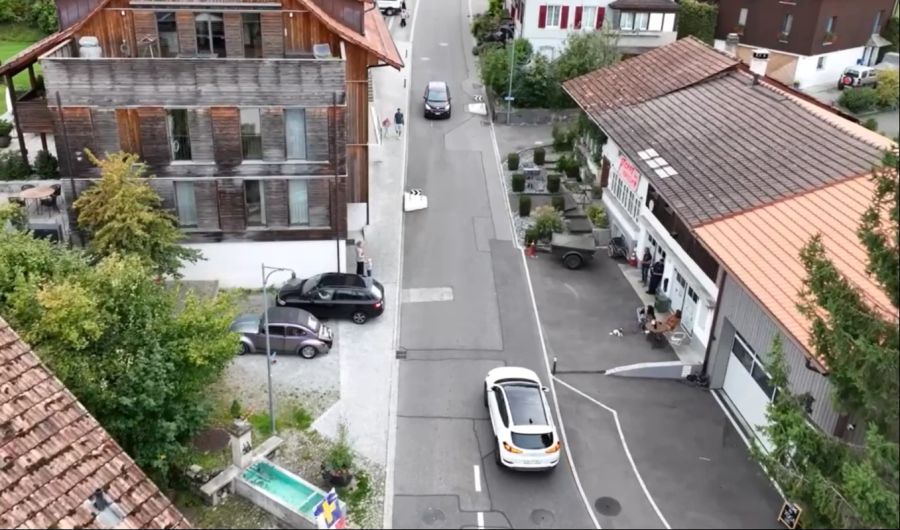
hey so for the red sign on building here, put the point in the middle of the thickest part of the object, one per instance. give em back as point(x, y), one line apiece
point(628, 173)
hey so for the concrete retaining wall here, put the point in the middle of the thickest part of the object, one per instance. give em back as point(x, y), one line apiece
point(267, 503)
point(497, 108)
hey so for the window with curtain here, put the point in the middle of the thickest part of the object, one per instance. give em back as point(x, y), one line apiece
point(210, 34)
point(626, 21)
point(186, 204)
point(295, 133)
point(168, 33)
point(254, 203)
point(179, 134)
point(641, 19)
point(589, 17)
point(251, 134)
point(298, 202)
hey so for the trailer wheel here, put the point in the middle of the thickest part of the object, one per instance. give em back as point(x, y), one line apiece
point(573, 261)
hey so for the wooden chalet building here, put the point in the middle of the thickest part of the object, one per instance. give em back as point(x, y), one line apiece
point(252, 114)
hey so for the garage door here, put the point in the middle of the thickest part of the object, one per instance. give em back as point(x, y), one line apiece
point(748, 387)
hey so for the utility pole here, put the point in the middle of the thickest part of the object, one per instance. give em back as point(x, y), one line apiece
point(512, 63)
point(334, 160)
point(265, 280)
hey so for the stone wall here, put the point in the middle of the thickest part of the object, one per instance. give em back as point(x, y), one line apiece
point(518, 116)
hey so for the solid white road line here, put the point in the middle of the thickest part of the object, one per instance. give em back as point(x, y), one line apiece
point(477, 471)
point(479, 518)
point(637, 473)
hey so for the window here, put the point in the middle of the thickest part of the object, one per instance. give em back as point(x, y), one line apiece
point(210, 34)
point(298, 202)
point(254, 203)
point(251, 135)
point(276, 330)
point(820, 63)
point(626, 196)
point(179, 134)
point(168, 33)
point(295, 133)
point(501, 406)
point(252, 35)
point(186, 203)
point(295, 332)
point(325, 293)
point(626, 21)
point(754, 365)
point(830, 27)
point(786, 25)
point(876, 27)
point(634, 21)
point(742, 17)
point(589, 17)
point(553, 16)
point(656, 22)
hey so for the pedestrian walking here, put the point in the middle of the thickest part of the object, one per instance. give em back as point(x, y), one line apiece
point(385, 127)
point(404, 14)
point(656, 274)
point(360, 258)
point(398, 122)
point(646, 262)
point(369, 267)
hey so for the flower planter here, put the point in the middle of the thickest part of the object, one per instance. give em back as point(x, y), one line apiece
point(339, 478)
point(5, 141)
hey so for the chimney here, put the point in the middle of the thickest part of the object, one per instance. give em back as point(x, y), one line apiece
point(731, 42)
point(759, 64)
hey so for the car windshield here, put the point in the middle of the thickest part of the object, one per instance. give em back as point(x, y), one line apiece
point(313, 323)
point(310, 283)
point(532, 441)
point(376, 291)
point(437, 94)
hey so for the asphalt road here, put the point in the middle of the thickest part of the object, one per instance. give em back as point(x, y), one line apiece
point(460, 251)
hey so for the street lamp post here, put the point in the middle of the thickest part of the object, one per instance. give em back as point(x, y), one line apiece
point(512, 61)
point(265, 281)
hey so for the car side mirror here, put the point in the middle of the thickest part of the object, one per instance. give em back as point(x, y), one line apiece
point(494, 387)
point(545, 389)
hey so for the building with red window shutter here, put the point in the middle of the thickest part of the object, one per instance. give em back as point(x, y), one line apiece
point(548, 23)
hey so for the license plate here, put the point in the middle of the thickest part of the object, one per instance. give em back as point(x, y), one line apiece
point(532, 462)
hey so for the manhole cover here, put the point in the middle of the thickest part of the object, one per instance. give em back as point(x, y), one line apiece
point(432, 515)
point(542, 518)
point(607, 506)
point(211, 440)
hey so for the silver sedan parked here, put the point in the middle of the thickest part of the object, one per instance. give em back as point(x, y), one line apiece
point(291, 330)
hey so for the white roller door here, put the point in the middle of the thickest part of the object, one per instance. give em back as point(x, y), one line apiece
point(748, 387)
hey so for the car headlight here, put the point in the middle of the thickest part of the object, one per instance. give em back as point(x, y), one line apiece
point(553, 448)
point(428, 107)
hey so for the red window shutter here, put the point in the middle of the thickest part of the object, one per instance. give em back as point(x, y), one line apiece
point(542, 17)
point(601, 12)
point(564, 18)
point(577, 23)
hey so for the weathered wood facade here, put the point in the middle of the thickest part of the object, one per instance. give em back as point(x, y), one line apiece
point(213, 113)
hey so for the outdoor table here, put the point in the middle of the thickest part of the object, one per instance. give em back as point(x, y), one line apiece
point(36, 194)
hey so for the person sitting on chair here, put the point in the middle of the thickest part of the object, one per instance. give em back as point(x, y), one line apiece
point(673, 321)
point(648, 316)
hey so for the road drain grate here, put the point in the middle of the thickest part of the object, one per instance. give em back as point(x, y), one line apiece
point(542, 518)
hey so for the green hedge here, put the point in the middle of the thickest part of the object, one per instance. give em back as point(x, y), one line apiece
point(553, 183)
point(558, 202)
point(540, 156)
point(512, 161)
point(518, 183)
point(859, 99)
point(697, 18)
point(524, 205)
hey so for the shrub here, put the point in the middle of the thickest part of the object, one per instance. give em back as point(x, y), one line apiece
point(597, 215)
point(12, 167)
point(558, 202)
point(531, 235)
point(235, 409)
point(547, 221)
point(573, 170)
point(871, 124)
point(524, 205)
point(698, 19)
point(512, 161)
point(562, 138)
point(340, 456)
point(859, 99)
point(888, 88)
point(540, 156)
point(46, 165)
point(553, 183)
point(518, 182)
point(6, 127)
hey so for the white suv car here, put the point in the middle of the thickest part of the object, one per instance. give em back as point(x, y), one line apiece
point(521, 419)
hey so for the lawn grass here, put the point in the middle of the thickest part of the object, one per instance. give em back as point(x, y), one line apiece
point(15, 38)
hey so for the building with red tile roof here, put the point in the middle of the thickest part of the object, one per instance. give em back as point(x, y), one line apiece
point(60, 468)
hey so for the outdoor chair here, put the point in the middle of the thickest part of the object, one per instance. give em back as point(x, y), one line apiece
point(16, 200)
point(26, 186)
point(51, 200)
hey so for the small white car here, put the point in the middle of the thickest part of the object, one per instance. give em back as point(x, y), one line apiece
point(520, 417)
point(389, 7)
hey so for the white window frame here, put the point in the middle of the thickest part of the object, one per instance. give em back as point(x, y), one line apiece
point(757, 363)
point(626, 197)
point(655, 23)
point(551, 10)
point(623, 16)
point(584, 18)
point(180, 213)
point(742, 17)
point(641, 21)
point(262, 203)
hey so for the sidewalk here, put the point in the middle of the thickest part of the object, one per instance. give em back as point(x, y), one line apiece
point(367, 351)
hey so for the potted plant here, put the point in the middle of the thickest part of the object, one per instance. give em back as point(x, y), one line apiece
point(337, 469)
point(5, 128)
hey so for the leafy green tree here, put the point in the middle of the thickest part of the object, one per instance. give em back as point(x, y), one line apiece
point(13, 214)
point(697, 18)
point(888, 88)
point(138, 354)
point(124, 215)
point(537, 86)
point(840, 485)
point(586, 52)
point(494, 62)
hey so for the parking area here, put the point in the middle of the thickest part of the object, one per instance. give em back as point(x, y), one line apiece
point(650, 453)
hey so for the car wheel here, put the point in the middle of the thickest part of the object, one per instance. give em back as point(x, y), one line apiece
point(245, 349)
point(497, 459)
point(359, 317)
point(308, 352)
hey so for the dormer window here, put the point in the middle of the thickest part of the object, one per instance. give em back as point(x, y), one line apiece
point(107, 514)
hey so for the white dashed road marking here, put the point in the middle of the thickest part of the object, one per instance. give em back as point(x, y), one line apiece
point(477, 471)
point(479, 518)
point(427, 294)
